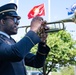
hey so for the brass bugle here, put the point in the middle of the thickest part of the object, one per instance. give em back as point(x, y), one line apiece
point(72, 19)
point(50, 30)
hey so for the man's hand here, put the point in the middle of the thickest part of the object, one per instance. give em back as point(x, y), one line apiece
point(36, 23)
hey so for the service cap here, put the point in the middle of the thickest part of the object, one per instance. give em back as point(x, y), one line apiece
point(9, 10)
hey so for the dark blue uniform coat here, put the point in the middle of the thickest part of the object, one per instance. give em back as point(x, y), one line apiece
point(13, 56)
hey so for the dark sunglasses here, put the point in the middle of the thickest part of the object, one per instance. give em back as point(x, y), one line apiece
point(16, 21)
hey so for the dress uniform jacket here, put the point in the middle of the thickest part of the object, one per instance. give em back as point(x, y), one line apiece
point(13, 56)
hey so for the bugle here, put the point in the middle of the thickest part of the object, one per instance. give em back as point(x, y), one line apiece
point(53, 27)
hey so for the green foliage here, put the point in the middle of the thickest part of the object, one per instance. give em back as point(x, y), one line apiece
point(34, 49)
point(55, 73)
point(67, 70)
point(62, 51)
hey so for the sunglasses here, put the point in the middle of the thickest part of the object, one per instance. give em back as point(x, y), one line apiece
point(16, 21)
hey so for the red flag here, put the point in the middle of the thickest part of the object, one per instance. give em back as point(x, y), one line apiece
point(37, 11)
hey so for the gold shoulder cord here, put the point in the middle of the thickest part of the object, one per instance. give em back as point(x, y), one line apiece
point(30, 39)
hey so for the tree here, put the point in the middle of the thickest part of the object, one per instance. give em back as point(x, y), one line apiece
point(62, 51)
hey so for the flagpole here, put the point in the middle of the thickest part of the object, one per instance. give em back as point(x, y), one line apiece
point(49, 11)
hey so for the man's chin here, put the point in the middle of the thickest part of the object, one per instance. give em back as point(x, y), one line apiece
point(14, 33)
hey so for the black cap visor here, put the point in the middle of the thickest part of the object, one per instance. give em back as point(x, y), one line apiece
point(13, 14)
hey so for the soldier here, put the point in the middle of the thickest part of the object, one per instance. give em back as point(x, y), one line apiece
point(14, 55)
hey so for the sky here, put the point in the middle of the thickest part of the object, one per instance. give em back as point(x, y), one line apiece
point(57, 12)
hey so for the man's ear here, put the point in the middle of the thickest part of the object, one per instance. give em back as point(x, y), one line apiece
point(2, 21)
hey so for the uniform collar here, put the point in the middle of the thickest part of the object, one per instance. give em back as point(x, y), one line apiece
point(3, 33)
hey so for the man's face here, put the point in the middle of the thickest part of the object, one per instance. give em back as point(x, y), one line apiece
point(10, 25)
